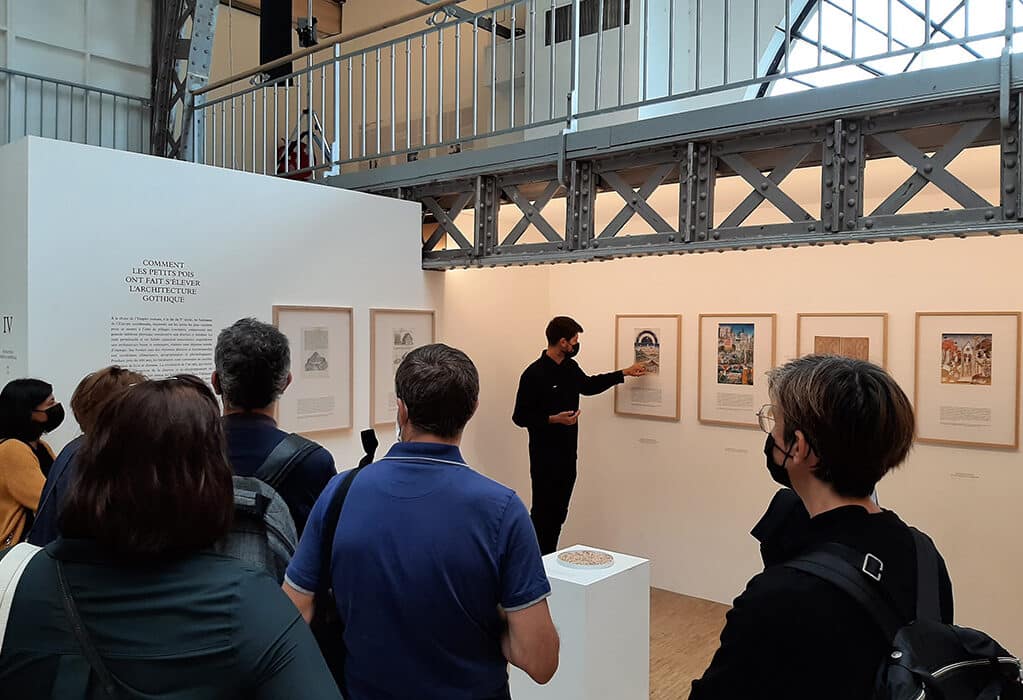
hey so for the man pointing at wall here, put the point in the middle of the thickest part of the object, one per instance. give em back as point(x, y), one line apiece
point(547, 405)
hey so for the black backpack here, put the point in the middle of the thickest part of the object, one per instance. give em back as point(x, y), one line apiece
point(263, 531)
point(929, 660)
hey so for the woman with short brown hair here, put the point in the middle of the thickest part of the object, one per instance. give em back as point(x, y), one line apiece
point(91, 395)
point(158, 614)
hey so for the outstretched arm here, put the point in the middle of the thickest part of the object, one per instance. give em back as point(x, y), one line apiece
point(599, 383)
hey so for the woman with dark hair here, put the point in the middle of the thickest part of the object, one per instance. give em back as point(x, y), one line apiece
point(27, 410)
point(91, 394)
point(131, 602)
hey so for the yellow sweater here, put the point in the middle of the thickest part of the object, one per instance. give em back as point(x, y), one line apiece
point(21, 485)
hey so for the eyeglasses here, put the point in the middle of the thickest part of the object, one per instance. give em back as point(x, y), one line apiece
point(765, 417)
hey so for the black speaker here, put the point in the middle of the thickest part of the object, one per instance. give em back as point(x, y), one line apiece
point(275, 33)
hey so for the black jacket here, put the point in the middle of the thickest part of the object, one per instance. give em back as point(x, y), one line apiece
point(791, 635)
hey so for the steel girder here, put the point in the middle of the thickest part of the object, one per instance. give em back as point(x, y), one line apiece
point(926, 138)
point(183, 33)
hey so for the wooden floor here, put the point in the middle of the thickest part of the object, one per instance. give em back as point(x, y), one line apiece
point(684, 635)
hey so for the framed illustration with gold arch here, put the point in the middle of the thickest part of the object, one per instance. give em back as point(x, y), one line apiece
point(736, 352)
point(322, 342)
point(863, 336)
point(967, 387)
point(655, 340)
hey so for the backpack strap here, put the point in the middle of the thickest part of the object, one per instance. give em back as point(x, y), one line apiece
point(928, 574)
point(283, 459)
point(84, 641)
point(834, 563)
point(330, 521)
point(12, 566)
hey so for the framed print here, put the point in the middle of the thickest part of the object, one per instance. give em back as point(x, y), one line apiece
point(322, 351)
point(736, 351)
point(655, 340)
point(862, 336)
point(967, 378)
point(394, 333)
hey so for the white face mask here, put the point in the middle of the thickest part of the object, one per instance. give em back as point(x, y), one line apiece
point(397, 430)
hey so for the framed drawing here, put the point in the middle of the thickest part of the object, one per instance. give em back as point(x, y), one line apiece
point(863, 336)
point(736, 351)
point(657, 341)
point(322, 348)
point(967, 385)
point(394, 333)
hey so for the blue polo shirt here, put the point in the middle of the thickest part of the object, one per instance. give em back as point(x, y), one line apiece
point(425, 551)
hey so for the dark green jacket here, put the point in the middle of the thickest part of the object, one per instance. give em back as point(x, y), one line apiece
point(205, 626)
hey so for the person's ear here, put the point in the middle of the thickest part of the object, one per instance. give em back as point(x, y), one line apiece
point(215, 383)
point(801, 450)
point(287, 382)
point(402, 413)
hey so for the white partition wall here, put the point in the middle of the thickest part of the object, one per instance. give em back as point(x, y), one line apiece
point(119, 242)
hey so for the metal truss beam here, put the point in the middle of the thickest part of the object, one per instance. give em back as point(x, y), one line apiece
point(699, 150)
point(927, 138)
point(183, 33)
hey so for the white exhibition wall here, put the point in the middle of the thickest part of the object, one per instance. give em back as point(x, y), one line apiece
point(249, 241)
point(13, 267)
point(685, 495)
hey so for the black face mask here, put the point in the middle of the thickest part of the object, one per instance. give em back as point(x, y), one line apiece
point(778, 472)
point(574, 351)
point(54, 417)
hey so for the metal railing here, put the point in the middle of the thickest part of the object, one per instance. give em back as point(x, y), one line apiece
point(34, 105)
point(529, 68)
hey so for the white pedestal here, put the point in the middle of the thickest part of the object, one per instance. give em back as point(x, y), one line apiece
point(603, 617)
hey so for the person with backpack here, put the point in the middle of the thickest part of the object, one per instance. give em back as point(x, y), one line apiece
point(130, 602)
point(835, 427)
point(433, 569)
point(253, 368)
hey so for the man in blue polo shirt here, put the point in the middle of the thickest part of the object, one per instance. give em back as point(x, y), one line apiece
point(435, 568)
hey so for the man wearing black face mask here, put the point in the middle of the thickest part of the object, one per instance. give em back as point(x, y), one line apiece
point(547, 405)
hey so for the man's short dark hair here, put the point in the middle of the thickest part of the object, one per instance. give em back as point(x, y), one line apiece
point(153, 478)
point(856, 418)
point(562, 327)
point(252, 361)
point(440, 387)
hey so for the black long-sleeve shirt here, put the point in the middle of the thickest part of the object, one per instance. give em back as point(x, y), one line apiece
point(547, 388)
point(791, 634)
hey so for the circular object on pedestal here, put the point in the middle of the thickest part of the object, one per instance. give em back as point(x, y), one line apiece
point(586, 559)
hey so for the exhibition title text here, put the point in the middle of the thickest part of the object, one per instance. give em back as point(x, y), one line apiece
point(162, 281)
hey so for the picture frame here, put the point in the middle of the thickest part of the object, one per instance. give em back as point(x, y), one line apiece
point(321, 395)
point(393, 334)
point(967, 378)
point(735, 353)
point(861, 335)
point(656, 339)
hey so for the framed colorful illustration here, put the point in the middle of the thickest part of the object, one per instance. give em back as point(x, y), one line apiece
point(967, 387)
point(862, 336)
point(736, 352)
point(322, 376)
point(394, 333)
point(656, 341)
